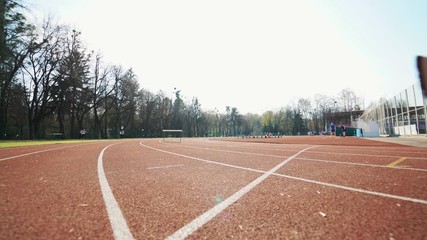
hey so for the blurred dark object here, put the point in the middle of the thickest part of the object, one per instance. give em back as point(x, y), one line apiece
point(422, 69)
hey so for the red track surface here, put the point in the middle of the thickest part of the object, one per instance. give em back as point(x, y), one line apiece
point(326, 188)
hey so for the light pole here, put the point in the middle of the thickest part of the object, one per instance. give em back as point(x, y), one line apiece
point(334, 109)
point(217, 123)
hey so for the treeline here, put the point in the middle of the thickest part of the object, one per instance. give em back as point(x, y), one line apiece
point(52, 86)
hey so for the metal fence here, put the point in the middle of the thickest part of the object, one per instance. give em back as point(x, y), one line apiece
point(403, 114)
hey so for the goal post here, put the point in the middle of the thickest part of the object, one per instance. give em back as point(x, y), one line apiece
point(172, 135)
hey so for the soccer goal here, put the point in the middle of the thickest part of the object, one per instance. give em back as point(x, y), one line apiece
point(172, 135)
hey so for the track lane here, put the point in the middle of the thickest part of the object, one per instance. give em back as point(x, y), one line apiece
point(413, 163)
point(321, 151)
point(157, 202)
point(236, 158)
point(53, 195)
point(394, 181)
point(159, 193)
point(19, 152)
point(281, 208)
point(388, 180)
point(422, 212)
point(358, 193)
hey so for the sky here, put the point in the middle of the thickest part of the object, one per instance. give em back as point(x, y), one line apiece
point(254, 55)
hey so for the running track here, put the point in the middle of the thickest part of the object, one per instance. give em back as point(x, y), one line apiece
point(201, 188)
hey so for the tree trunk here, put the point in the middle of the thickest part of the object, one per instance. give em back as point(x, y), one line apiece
point(97, 126)
point(31, 125)
point(61, 122)
point(3, 118)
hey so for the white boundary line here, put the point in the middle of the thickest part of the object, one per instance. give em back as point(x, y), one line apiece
point(117, 221)
point(202, 160)
point(415, 200)
point(363, 164)
point(354, 147)
point(312, 159)
point(370, 155)
point(191, 227)
point(320, 147)
point(32, 153)
point(41, 151)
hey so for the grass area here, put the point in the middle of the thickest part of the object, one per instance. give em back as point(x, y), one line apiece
point(22, 143)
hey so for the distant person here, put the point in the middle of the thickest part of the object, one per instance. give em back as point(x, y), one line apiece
point(343, 130)
point(82, 133)
point(333, 129)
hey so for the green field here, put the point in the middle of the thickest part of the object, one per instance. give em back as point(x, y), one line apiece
point(21, 143)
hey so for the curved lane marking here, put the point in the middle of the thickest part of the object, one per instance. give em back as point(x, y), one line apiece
point(41, 151)
point(201, 220)
point(117, 221)
point(32, 153)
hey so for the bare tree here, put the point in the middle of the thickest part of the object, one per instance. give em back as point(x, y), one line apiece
point(101, 89)
point(349, 101)
point(73, 91)
point(194, 115)
point(324, 105)
point(129, 89)
point(17, 40)
point(40, 67)
point(164, 112)
point(147, 111)
point(178, 111)
point(304, 107)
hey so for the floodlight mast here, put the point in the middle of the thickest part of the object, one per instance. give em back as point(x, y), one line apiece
point(332, 100)
point(422, 70)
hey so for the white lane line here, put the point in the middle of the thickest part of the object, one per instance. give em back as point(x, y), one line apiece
point(363, 164)
point(32, 153)
point(311, 159)
point(415, 200)
point(168, 166)
point(203, 160)
point(367, 155)
point(238, 152)
point(41, 151)
point(117, 221)
point(328, 149)
point(318, 150)
point(188, 229)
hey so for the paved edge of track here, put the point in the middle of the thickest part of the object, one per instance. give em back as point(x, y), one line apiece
point(117, 221)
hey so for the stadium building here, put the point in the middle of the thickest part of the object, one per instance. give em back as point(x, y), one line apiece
point(402, 114)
